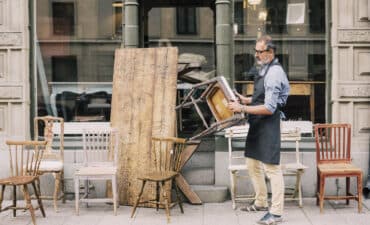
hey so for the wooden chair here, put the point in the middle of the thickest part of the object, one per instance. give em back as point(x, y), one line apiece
point(100, 163)
point(295, 169)
point(25, 158)
point(333, 156)
point(237, 164)
point(166, 153)
point(53, 159)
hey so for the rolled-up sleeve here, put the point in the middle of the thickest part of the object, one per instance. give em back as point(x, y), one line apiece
point(276, 88)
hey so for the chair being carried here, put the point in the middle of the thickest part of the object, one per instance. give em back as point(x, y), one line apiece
point(333, 158)
point(53, 159)
point(166, 152)
point(100, 163)
point(25, 158)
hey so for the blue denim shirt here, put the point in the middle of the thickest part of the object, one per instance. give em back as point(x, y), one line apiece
point(276, 86)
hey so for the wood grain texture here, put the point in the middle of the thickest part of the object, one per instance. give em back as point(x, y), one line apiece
point(143, 105)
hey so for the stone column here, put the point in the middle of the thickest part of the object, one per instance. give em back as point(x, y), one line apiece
point(131, 24)
point(224, 40)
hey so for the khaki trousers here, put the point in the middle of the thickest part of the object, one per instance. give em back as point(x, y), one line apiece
point(257, 170)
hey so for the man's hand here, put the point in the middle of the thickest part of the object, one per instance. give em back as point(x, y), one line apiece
point(235, 107)
point(242, 99)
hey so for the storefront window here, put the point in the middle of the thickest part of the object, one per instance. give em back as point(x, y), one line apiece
point(298, 30)
point(74, 44)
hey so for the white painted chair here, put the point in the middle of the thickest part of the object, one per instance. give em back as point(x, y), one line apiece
point(100, 146)
point(290, 132)
point(52, 161)
point(295, 169)
point(237, 164)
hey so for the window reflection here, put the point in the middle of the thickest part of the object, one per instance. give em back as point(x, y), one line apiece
point(298, 30)
point(75, 43)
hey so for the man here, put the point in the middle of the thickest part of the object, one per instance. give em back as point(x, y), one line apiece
point(271, 89)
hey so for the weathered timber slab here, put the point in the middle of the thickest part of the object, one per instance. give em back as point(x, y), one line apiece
point(143, 105)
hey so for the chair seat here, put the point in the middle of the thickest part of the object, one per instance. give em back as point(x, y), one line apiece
point(96, 171)
point(50, 165)
point(238, 167)
point(293, 166)
point(158, 176)
point(17, 180)
point(338, 168)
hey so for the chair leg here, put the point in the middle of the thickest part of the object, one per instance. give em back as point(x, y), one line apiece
point(38, 197)
point(299, 187)
point(63, 187)
point(114, 190)
point(2, 195)
point(166, 203)
point(14, 200)
point(318, 189)
point(321, 193)
point(87, 190)
point(157, 196)
point(233, 188)
point(178, 197)
point(359, 192)
point(138, 198)
point(27, 198)
point(77, 195)
point(56, 190)
point(347, 189)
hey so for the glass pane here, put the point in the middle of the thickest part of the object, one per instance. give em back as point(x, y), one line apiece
point(75, 57)
point(298, 31)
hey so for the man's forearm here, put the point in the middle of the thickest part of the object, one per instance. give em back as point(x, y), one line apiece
point(257, 110)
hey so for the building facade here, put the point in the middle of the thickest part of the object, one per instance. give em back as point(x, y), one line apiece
point(56, 56)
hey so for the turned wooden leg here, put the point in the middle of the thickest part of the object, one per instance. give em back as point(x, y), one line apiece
point(166, 203)
point(138, 198)
point(157, 196)
point(56, 189)
point(27, 198)
point(38, 197)
point(178, 197)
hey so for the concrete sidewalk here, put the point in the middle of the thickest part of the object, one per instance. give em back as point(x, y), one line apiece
point(206, 214)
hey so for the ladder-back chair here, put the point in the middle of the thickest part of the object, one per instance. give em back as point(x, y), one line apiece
point(333, 157)
point(24, 160)
point(100, 146)
point(53, 159)
point(237, 164)
point(166, 152)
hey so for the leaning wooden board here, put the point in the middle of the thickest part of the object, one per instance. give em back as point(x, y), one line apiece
point(143, 105)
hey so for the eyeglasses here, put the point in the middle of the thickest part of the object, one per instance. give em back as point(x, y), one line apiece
point(260, 51)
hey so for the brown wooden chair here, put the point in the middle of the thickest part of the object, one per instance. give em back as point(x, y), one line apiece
point(333, 156)
point(53, 159)
point(166, 153)
point(25, 158)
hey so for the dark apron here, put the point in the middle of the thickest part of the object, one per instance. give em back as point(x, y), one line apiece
point(263, 140)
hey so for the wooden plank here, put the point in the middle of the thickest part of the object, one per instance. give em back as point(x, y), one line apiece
point(187, 191)
point(143, 102)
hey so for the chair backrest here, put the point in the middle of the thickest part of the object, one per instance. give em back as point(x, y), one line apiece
point(166, 152)
point(25, 157)
point(100, 146)
point(233, 133)
point(333, 143)
point(48, 134)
